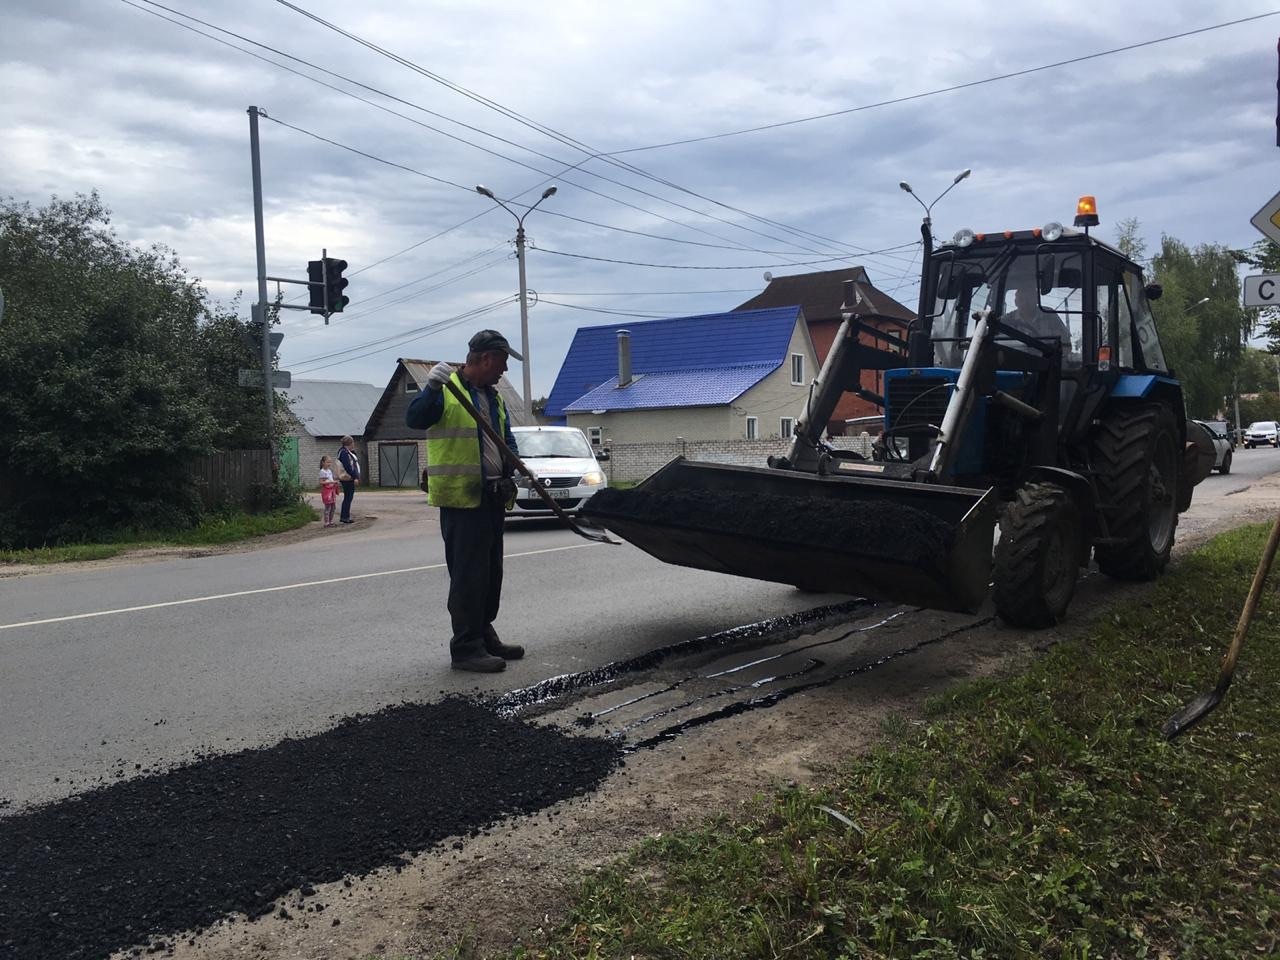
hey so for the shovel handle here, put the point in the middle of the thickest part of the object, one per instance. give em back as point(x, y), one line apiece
point(519, 464)
point(1250, 605)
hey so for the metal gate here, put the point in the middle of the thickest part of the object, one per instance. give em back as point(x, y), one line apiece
point(398, 465)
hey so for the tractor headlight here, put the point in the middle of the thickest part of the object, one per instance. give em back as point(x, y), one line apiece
point(1051, 230)
point(964, 237)
point(592, 479)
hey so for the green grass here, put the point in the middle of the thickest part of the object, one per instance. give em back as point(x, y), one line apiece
point(1036, 816)
point(228, 528)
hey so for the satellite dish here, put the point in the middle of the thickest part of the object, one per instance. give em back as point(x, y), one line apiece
point(767, 276)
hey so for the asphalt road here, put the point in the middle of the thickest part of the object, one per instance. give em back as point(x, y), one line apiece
point(122, 666)
point(114, 668)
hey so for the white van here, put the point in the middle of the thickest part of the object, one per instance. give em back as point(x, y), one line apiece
point(564, 463)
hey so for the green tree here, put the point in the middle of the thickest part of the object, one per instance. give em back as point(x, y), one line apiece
point(1202, 327)
point(111, 383)
point(1264, 256)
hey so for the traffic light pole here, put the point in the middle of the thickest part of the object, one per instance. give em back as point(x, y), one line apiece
point(260, 308)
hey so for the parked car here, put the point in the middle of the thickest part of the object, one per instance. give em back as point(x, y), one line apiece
point(1260, 432)
point(562, 459)
point(1221, 436)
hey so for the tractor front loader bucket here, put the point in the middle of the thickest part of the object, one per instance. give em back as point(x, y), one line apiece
point(915, 543)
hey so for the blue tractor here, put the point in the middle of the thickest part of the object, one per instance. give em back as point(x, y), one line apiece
point(1030, 393)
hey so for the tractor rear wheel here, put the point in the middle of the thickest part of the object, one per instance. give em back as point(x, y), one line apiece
point(1036, 561)
point(1136, 463)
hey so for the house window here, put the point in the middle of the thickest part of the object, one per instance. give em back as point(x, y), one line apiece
point(596, 435)
point(410, 385)
point(784, 427)
point(797, 368)
point(752, 428)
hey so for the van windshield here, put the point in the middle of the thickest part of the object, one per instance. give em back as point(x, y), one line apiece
point(552, 443)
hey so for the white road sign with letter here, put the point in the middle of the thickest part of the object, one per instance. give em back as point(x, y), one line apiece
point(1268, 219)
point(1262, 290)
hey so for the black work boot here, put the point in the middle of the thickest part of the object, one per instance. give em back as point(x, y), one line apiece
point(468, 654)
point(495, 647)
point(479, 663)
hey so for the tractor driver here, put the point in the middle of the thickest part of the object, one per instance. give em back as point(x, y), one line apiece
point(1034, 320)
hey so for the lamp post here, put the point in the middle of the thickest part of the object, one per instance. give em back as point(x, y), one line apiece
point(926, 227)
point(524, 292)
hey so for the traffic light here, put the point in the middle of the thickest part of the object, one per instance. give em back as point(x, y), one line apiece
point(336, 284)
point(315, 274)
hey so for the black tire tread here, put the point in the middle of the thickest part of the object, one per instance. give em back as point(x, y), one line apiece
point(1025, 526)
point(1122, 451)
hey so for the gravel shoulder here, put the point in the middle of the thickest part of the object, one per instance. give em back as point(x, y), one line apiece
point(507, 885)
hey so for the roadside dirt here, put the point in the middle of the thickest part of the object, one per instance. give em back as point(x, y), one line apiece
point(509, 886)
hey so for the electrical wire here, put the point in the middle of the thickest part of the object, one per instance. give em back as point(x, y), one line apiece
point(408, 336)
point(950, 89)
point(556, 135)
point(565, 167)
point(405, 299)
point(412, 170)
point(644, 293)
point(685, 266)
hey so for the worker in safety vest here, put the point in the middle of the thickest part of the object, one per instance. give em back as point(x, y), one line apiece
point(468, 479)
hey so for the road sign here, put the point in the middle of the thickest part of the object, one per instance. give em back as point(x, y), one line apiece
point(280, 379)
point(1268, 219)
point(1262, 290)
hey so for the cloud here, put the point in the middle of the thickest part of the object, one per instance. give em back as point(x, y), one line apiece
point(151, 115)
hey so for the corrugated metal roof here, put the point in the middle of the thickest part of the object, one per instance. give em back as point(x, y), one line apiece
point(332, 408)
point(722, 349)
point(704, 387)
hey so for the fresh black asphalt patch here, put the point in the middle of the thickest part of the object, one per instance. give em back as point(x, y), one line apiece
point(146, 858)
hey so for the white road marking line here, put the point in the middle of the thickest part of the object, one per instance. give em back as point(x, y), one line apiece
point(249, 593)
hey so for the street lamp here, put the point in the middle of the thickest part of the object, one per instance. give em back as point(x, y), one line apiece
point(524, 292)
point(906, 187)
point(926, 227)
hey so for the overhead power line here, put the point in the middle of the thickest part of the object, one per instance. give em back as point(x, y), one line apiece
point(399, 339)
point(416, 172)
point(685, 266)
point(645, 293)
point(565, 166)
point(951, 89)
point(565, 139)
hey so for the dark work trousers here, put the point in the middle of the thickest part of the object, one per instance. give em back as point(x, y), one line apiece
point(348, 491)
point(473, 553)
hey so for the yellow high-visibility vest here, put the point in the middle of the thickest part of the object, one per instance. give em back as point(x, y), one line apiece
point(454, 473)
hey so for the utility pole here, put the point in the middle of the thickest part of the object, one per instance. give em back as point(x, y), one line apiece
point(524, 290)
point(260, 308)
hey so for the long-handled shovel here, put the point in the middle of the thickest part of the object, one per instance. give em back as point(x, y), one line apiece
point(597, 535)
point(1203, 705)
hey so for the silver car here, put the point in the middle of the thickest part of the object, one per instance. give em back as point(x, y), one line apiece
point(565, 465)
point(1262, 432)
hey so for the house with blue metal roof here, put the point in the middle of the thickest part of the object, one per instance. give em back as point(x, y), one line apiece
point(741, 375)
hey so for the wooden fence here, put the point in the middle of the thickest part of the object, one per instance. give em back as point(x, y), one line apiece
point(234, 477)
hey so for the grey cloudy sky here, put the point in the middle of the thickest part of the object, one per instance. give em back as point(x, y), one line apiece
point(103, 95)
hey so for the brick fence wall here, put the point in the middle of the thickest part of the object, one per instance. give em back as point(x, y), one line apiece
point(632, 462)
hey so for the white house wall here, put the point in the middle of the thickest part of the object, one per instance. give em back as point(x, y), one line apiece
point(769, 401)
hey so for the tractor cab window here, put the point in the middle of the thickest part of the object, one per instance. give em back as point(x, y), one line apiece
point(1143, 324)
point(1038, 295)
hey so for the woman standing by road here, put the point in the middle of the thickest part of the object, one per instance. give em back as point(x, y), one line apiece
point(351, 465)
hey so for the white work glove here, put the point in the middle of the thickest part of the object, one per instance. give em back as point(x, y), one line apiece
point(439, 375)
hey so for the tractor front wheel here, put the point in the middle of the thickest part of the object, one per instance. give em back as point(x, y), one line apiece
point(1136, 460)
point(1037, 557)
